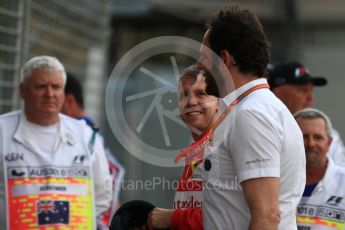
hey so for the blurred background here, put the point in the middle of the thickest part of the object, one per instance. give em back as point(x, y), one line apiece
point(89, 37)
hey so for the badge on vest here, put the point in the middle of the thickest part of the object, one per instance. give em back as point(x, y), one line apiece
point(334, 200)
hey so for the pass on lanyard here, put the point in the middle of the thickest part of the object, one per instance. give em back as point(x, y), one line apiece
point(196, 150)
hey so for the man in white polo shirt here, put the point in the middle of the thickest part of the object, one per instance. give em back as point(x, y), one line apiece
point(254, 169)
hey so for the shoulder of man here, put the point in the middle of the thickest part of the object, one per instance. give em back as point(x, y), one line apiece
point(340, 169)
point(8, 116)
point(82, 130)
point(76, 127)
point(9, 121)
point(335, 134)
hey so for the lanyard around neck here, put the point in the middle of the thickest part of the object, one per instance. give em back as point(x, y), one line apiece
point(197, 148)
point(234, 103)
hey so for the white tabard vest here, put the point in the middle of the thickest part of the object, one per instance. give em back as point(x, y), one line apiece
point(46, 190)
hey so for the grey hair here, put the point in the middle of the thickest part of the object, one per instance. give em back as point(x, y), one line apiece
point(46, 63)
point(310, 113)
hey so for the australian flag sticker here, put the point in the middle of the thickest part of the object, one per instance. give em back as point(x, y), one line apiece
point(52, 212)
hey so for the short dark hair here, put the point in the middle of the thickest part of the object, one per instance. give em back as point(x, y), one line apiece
point(242, 35)
point(192, 72)
point(74, 87)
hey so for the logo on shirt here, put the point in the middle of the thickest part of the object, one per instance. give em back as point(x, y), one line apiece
point(15, 173)
point(195, 165)
point(257, 161)
point(189, 202)
point(79, 159)
point(334, 200)
point(52, 212)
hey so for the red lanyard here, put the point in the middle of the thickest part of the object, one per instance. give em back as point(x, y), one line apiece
point(196, 150)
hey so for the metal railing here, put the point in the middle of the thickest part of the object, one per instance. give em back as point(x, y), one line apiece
point(68, 30)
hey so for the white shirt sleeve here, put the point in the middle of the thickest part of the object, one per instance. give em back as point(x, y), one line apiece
point(255, 145)
point(101, 177)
